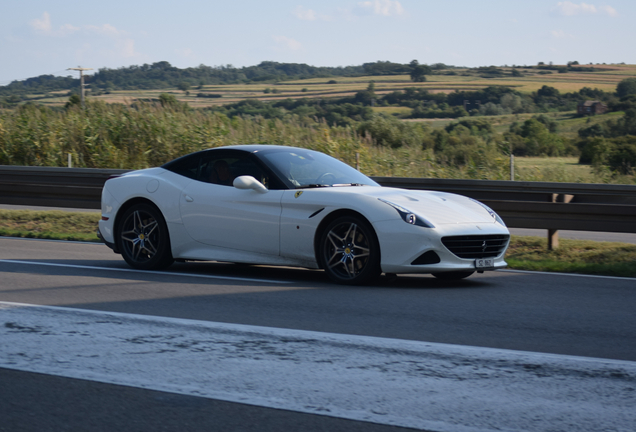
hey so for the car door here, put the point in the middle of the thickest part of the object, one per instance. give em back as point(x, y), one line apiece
point(218, 214)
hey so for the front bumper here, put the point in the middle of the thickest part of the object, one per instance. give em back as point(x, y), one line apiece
point(402, 245)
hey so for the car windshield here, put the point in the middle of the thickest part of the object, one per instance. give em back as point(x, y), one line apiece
point(306, 168)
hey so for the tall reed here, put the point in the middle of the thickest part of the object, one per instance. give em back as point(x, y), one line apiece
point(143, 135)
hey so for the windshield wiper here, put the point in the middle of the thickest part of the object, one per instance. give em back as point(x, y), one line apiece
point(317, 185)
point(311, 186)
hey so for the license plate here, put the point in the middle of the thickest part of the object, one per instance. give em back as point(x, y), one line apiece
point(485, 263)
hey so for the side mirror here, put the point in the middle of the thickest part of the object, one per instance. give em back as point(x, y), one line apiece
point(249, 182)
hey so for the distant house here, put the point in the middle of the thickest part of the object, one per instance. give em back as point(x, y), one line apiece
point(591, 108)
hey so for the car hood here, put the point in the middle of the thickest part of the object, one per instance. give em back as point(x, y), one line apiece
point(439, 208)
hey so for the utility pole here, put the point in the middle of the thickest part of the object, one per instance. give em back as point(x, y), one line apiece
point(81, 71)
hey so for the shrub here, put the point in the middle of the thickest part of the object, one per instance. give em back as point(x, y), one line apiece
point(626, 87)
point(595, 151)
point(391, 132)
point(622, 158)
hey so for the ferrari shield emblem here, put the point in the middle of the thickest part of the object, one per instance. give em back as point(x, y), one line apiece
point(297, 194)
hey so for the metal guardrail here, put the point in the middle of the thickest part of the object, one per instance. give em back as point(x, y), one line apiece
point(53, 187)
point(551, 206)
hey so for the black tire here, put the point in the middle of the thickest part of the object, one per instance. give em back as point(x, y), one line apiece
point(349, 251)
point(143, 239)
point(453, 275)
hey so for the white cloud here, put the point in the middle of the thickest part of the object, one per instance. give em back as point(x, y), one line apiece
point(560, 34)
point(68, 29)
point(310, 15)
point(42, 25)
point(609, 10)
point(104, 29)
point(568, 8)
point(305, 14)
point(288, 43)
point(128, 48)
point(382, 7)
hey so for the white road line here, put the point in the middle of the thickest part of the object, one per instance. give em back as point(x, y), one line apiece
point(567, 274)
point(97, 243)
point(162, 273)
point(446, 388)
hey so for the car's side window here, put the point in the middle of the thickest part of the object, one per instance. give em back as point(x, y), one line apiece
point(187, 166)
point(222, 169)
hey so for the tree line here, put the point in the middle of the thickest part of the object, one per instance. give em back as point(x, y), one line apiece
point(162, 74)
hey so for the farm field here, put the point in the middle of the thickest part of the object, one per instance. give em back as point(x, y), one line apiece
point(539, 168)
point(605, 77)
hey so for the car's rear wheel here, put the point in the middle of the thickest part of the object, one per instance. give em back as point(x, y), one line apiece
point(349, 251)
point(143, 238)
point(453, 275)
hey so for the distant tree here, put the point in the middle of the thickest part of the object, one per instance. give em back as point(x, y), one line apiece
point(73, 100)
point(167, 99)
point(623, 157)
point(368, 96)
point(418, 71)
point(547, 91)
point(184, 86)
point(626, 87)
point(439, 66)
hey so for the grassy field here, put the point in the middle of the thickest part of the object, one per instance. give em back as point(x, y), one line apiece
point(525, 253)
point(572, 256)
point(605, 77)
point(550, 169)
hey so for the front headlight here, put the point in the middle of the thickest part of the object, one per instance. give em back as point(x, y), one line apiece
point(494, 215)
point(408, 216)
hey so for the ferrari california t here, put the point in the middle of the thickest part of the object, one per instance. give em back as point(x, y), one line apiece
point(277, 205)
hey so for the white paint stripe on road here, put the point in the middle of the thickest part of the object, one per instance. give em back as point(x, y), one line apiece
point(423, 385)
point(161, 273)
point(567, 274)
point(96, 243)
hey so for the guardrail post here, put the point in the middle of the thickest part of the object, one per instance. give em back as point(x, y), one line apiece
point(553, 234)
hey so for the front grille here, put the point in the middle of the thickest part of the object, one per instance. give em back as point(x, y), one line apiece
point(476, 246)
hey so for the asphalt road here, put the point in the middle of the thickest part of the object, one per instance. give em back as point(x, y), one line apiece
point(560, 314)
point(548, 313)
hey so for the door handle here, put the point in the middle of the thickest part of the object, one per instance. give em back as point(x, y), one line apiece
point(188, 198)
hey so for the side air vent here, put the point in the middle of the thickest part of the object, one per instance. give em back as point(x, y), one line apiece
point(476, 246)
point(429, 257)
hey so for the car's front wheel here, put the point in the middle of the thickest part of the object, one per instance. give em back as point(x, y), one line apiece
point(349, 251)
point(143, 238)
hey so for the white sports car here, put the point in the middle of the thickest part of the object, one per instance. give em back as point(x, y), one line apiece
point(289, 206)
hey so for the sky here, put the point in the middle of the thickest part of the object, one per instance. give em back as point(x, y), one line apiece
point(39, 37)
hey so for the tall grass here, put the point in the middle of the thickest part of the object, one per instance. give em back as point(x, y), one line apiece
point(146, 134)
point(116, 136)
